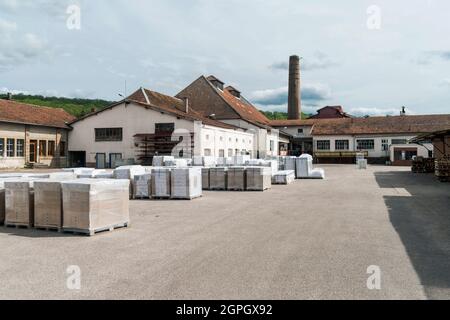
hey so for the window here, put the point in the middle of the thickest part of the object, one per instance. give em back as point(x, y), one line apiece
point(341, 145)
point(163, 128)
point(2, 147)
point(300, 131)
point(51, 148)
point(323, 144)
point(207, 152)
point(365, 144)
point(221, 138)
point(399, 141)
point(384, 145)
point(272, 145)
point(42, 148)
point(20, 146)
point(236, 152)
point(230, 152)
point(207, 137)
point(221, 153)
point(108, 134)
point(62, 149)
point(10, 148)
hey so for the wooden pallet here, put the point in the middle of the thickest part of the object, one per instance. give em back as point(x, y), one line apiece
point(18, 226)
point(94, 231)
point(48, 228)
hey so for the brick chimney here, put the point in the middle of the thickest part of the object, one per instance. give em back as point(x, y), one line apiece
point(294, 99)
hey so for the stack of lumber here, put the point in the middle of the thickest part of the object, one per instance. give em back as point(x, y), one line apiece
point(442, 169)
point(423, 165)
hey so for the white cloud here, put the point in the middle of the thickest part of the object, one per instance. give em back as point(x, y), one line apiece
point(278, 96)
point(364, 111)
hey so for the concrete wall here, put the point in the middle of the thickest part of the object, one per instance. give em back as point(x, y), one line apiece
point(28, 133)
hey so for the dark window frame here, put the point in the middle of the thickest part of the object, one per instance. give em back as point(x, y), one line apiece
point(345, 147)
point(365, 144)
point(20, 151)
point(10, 153)
point(321, 145)
point(108, 134)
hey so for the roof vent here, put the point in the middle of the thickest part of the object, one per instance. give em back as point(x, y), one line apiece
point(234, 91)
point(216, 82)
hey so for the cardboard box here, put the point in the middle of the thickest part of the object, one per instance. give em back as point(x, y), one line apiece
point(93, 205)
point(218, 178)
point(236, 179)
point(160, 183)
point(48, 209)
point(19, 203)
point(186, 183)
point(259, 178)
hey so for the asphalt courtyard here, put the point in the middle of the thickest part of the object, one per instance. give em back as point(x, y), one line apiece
point(309, 240)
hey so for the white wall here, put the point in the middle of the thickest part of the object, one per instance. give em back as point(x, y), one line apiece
point(377, 152)
point(293, 131)
point(132, 118)
point(216, 139)
point(135, 119)
point(262, 137)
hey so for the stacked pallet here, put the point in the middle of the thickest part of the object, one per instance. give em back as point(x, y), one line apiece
point(259, 178)
point(160, 183)
point(236, 179)
point(186, 183)
point(442, 169)
point(48, 213)
point(218, 178)
point(303, 165)
point(423, 165)
point(19, 203)
point(205, 179)
point(284, 177)
point(142, 186)
point(95, 205)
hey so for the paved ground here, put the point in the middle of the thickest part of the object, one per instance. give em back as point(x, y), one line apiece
point(309, 240)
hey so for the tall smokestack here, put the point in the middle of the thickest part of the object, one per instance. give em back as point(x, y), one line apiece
point(294, 99)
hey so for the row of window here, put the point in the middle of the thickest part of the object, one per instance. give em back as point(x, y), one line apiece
point(13, 147)
point(229, 139)
point(231, 152)
point(16, 148)
point(361, 144)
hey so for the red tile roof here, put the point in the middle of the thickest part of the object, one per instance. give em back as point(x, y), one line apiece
point(293, 123)
point(382, 125)
point(244, 108)
point(174, 106)
point(18, 112)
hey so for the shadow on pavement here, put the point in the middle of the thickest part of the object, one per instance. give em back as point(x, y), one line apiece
point(422, 221)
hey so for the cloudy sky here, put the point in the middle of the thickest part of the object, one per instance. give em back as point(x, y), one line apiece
point(372, 57)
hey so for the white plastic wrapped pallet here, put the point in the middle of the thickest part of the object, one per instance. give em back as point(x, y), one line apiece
point(48, 203)
point(91, 205)
point(63, 175)
point(158, 161)
point(142, 185)
point(284, 177)
point(362, 164)
point(259, 178)
point(160, 183)
point(289, 163)
point(218, 178)
point(317, 173)
point(240, 160)
point(186, 183)
point(19, 202)
point(236, 178)
point(128, 172)
point(201, 161)
point(2, 197)
point(178, 163)
point(304, 166)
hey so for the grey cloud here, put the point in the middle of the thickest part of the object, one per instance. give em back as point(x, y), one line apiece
point(428, 57)
point(317, 61)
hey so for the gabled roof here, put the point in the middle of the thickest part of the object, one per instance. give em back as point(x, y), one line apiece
point(23, 113)
point(164, 103)
point(382, 125)
point(222, 103)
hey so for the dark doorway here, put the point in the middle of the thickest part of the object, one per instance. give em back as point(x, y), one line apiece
point(33, 151)
point(77, 159)
point(100, 160)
